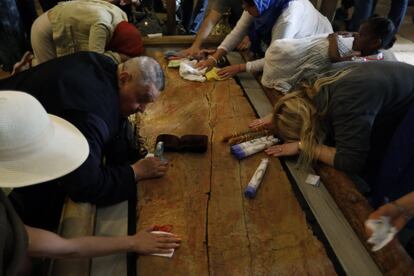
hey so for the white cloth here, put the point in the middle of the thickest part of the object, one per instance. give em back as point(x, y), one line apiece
point(300, 19)
point(287, 61)
point(188, 72)
point(382, 232)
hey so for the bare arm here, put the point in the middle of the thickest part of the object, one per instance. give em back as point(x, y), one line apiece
point(333, 51)
point(400, 211)
point(333, 48)
point(322, 153)
point(325, 154)
point(209, 22)
point(43, 243)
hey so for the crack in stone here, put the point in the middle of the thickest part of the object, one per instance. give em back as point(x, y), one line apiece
point(234, 109)
point(211, 126)
point(245, 222)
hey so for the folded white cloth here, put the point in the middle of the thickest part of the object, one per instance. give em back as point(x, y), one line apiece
point(189, 72)
point(382, 232)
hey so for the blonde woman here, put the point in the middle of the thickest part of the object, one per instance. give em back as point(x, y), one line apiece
point(346, 120)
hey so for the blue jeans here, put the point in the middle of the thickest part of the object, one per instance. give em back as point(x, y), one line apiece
point(364, 9)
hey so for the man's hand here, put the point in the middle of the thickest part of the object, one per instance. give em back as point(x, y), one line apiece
point(193, 51)
point(397, 218)
point(244, 44)
point(287, 149)
point(150, 167)
point(145, 242)
point(230, 71)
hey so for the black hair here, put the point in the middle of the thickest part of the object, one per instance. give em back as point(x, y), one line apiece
point(384, 29)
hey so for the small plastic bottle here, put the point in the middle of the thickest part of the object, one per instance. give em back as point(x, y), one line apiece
point(159, 151)
point(248, 148)
point(257, 178)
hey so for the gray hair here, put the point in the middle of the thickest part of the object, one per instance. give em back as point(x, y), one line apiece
point(146, 70)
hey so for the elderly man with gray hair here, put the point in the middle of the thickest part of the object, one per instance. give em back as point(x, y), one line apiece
point(96, 95)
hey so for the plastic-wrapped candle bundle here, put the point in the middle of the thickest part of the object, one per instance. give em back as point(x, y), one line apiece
point(248, 148)
point(254, 183)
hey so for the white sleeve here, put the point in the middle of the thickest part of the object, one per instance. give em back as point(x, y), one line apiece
point(255, 65)
point(238, 33)
point(289, 22)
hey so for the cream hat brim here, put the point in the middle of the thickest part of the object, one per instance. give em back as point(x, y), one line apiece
point(63, 153)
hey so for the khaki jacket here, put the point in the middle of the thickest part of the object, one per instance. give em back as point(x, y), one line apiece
point(85, 25)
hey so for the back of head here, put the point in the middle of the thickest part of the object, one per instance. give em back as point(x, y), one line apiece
point(383, 29)
point(296, 118)
point(146, 70)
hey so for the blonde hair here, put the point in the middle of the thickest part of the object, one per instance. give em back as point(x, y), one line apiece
point(296, 118)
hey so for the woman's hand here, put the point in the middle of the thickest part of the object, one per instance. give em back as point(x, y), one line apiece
point(207, 63)
point(145, 242)
point(230, 71)
point(265, 122)
point(287, 149)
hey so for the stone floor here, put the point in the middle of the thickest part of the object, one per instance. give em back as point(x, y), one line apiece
point(404, 46)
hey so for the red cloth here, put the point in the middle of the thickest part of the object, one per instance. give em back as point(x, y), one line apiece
point(126, 40)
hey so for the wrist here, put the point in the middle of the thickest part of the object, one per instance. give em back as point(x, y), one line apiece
point(300, 146)
point(130, 243)
point(242, 67)
point(135, 170)
point(401, 210)
point(213, 58)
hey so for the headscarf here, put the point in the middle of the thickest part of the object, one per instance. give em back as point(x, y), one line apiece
point(126, 40)
point(261, 28)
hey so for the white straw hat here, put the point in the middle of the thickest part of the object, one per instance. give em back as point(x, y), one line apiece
point(35, 147)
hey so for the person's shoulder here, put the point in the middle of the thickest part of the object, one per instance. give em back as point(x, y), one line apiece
point(295, 7)
point(90, 124)
point(298, 3)
point(384, 67)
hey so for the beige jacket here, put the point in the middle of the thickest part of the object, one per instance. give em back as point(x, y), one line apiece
point(85, 25)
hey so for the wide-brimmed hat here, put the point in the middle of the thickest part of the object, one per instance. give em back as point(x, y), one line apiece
point(35, 147)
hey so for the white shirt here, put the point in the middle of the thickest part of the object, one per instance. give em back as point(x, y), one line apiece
point(300, 19)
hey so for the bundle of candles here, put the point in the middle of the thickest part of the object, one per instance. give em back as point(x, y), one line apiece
point(246, 143)
point(239, 137)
